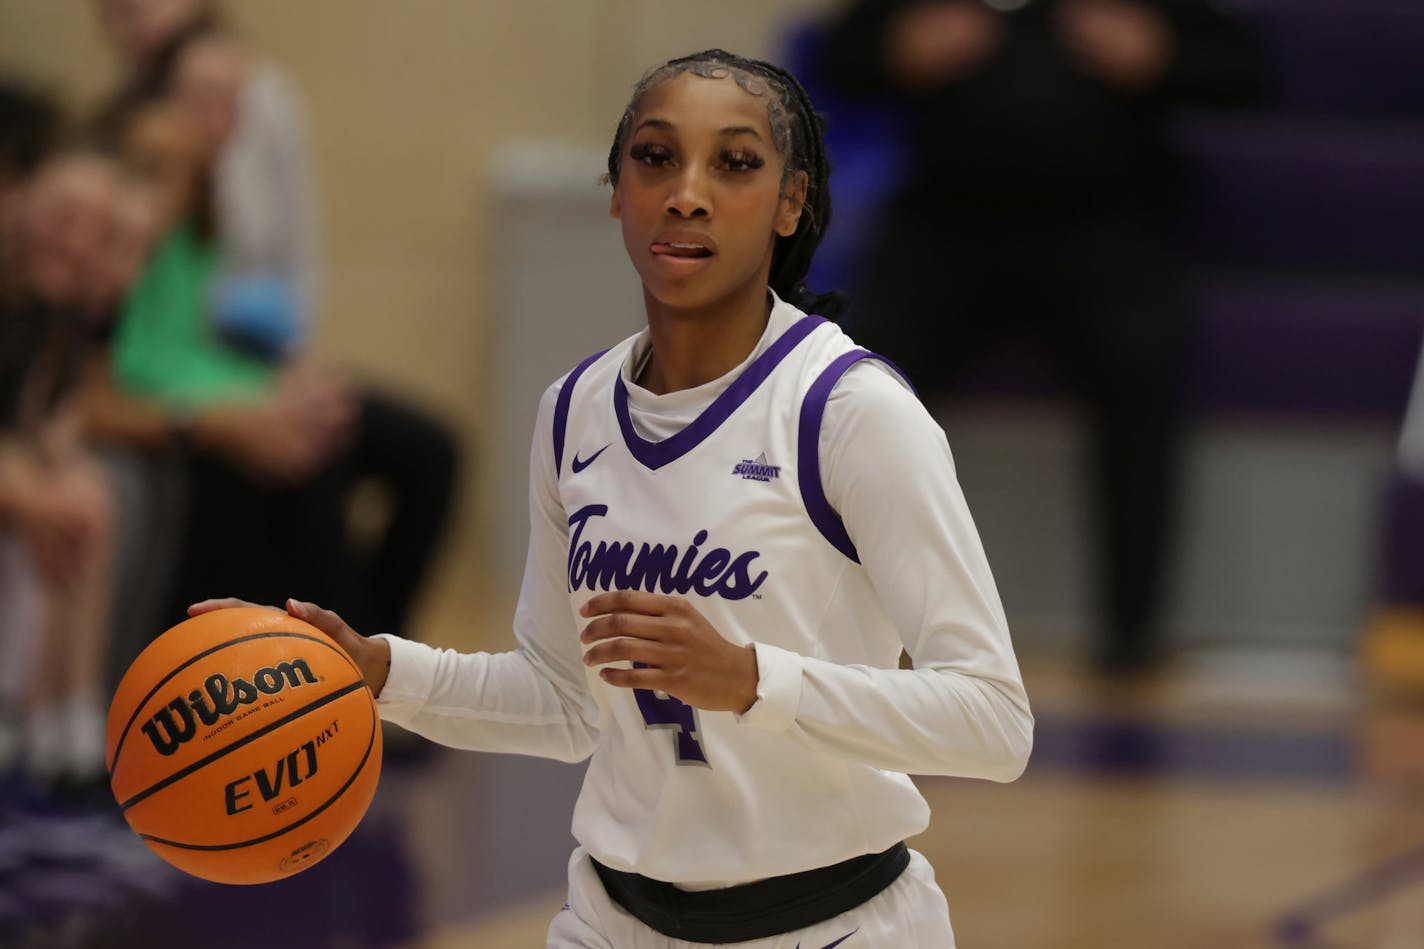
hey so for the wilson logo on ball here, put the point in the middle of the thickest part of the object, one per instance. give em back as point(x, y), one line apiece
point(177, 722)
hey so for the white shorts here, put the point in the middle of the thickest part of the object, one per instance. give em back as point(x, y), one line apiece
point(910, 913)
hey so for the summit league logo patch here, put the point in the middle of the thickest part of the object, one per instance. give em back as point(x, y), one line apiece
point(757, 470)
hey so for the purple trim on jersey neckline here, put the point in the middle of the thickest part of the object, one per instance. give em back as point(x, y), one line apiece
point(654, 455)
point(561, 410)
point(808, 449)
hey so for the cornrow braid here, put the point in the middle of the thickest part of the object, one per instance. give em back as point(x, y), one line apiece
point(798, 131)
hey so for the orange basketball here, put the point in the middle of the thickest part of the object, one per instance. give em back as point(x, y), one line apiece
point(243, 745)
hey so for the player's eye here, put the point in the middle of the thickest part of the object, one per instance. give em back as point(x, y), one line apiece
point(741, 161)
point(650, 154)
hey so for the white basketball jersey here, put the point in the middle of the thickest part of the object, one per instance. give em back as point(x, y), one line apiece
point(728, 513)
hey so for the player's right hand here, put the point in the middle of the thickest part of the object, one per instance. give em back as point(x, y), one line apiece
point(371, 656)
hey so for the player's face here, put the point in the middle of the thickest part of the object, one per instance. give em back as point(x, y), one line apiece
point(700, 193)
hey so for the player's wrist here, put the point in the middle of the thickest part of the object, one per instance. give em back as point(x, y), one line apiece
point(374, 661)
point(750, 678)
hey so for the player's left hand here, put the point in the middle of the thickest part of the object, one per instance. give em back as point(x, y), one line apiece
point(684, 654)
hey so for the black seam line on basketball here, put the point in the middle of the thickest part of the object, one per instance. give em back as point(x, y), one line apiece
point(244, 740)
point(370, 743)
point(208, 652)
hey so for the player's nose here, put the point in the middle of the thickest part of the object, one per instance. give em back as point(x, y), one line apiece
point(688, 194)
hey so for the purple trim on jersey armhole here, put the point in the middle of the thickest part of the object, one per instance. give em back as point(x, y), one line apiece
point(561, 410)
point(904, 376)
point(654, 455)
point(808, 449)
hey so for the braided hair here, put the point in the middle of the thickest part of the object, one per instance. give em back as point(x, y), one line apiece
point(798, 132)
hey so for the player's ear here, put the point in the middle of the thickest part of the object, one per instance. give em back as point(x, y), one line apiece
point(614, 211)
point(793, 200)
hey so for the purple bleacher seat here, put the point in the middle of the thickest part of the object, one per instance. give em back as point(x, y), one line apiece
point(1305, 349)
point(1343, 57)
point(1267, 348)
point(1305, 193)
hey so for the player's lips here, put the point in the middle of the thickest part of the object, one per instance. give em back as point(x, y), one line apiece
point(683, 250)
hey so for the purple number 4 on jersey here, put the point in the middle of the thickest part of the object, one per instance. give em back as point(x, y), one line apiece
point(663, 711)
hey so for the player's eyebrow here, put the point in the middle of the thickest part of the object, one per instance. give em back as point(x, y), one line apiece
point(728, 132)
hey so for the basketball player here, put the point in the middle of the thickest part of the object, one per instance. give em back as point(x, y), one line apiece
point(738, 520)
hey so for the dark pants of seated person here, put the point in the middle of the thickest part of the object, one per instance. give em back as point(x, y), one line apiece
point(415, 460)
point(264, 543)
point(151, 488)
point(1103, 298)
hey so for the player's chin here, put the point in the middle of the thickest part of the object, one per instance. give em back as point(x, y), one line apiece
point(686, 292)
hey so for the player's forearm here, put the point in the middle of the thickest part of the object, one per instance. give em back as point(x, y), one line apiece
point(963, 709)
point(921, 721)
point(937, 721)
point(485, 702)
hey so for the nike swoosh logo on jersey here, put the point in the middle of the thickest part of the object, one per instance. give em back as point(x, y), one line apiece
point(832, 945)
point(580, 463)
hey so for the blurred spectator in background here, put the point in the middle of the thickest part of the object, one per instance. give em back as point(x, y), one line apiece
point(1037, 203)
point(263, 194)
point(59, 220)
point(253, 134)
point(165, 387)
point(208, 348)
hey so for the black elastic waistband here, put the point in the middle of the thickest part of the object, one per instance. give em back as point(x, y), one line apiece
point(759, 909)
